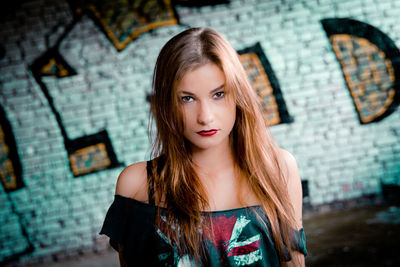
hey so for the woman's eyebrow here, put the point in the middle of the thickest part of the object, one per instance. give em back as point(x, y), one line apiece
point(217, 89)
point(212, 91)
point(185, 92)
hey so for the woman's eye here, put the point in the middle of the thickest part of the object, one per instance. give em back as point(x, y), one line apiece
point(219, 94)
point(187, 99)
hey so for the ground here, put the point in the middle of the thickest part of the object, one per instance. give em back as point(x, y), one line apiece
point(356, 237)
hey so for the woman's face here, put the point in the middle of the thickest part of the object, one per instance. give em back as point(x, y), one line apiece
point(209, 112)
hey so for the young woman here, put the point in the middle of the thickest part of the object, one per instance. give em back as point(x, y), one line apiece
point(219, 191)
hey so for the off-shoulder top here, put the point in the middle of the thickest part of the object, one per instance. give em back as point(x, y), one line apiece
point(240, 238)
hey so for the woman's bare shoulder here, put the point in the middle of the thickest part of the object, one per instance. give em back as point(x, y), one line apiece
point(293, 180)
point(132, 182)
point(287, 161)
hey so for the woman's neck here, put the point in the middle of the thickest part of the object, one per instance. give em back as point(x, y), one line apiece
point(213, 160)
point(221, 181)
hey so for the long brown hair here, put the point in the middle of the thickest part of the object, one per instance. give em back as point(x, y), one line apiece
point(178, 187)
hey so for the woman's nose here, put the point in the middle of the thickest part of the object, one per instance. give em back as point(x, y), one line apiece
point(205, 114)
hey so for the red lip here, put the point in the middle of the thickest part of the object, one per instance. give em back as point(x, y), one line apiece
point(208, 132)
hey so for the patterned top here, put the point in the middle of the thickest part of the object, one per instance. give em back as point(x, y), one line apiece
point(240, 238)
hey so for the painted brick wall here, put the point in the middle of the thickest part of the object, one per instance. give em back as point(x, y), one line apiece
point(55, 212)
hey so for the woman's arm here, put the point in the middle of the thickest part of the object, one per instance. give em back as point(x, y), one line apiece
point(295, 191)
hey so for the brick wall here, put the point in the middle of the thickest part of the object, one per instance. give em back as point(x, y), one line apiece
point(55, 213)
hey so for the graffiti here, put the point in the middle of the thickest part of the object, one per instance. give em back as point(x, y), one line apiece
point(86, 154)
point(197, 3)
point(124, 21)
point(53, 64)
point(264, 82)
point(11, 179)
point(370, 64)
point(10, 165)
point(91, 153)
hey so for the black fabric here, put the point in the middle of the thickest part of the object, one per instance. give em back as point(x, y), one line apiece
point(132, 225)
point(150, 182)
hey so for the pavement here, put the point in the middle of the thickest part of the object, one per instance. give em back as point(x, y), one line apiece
point(355, 237)
point(108, 258)
point(367, 236)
